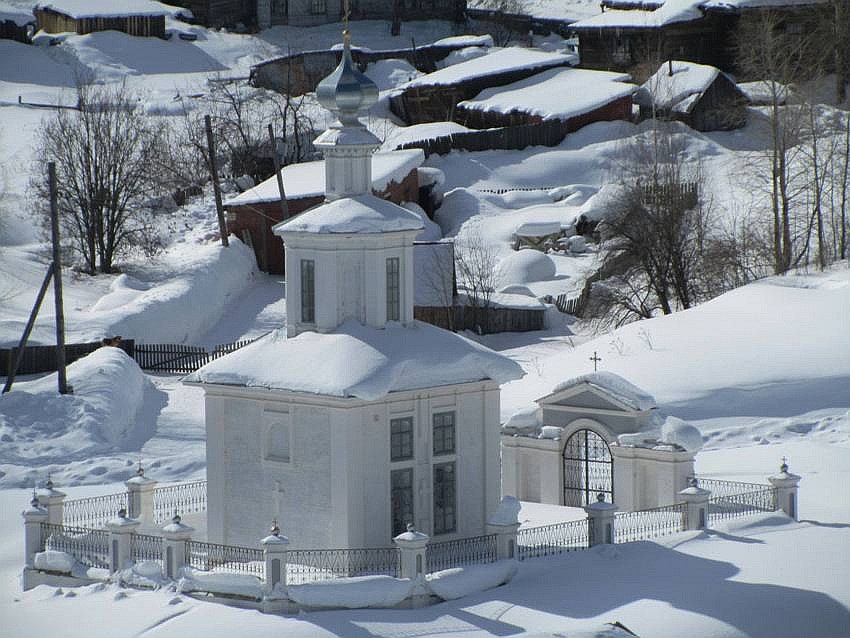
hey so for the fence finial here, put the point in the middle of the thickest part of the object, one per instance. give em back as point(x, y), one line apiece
point(176, 518)
point(784, 466)
point(275, 528)
point(122, 513)
point(600, 497)
point(34, 502)
point(693, 482)
point(410, 527)
point(140, 471)
point(49, 483)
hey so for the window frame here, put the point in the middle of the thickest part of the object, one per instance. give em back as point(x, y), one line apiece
point(439, 513)
point(407, 434)
point(408, 496)
point(393, 288)
point(307, 276)
point(442, 428)
point(318, 7)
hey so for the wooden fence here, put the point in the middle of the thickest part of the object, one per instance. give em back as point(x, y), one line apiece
point(157, 357)
point(489, 320)
point(38, 359)
point(512, 138)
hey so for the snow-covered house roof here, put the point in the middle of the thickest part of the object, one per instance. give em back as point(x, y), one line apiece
point(11, 13)
point(365, 214)
point(555, 93)
point(308, 178)
point(679, 91)
point(497, 62)
point(612, 384)
point(78, 9)
point(360, 362)
point(670, 12)
point(758, 4)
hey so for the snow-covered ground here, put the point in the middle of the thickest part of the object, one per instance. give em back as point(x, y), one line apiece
point(763, 371)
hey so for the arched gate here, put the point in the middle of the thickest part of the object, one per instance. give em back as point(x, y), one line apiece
point(588, 469)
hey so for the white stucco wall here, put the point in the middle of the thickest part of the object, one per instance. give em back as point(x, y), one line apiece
point(334, 489)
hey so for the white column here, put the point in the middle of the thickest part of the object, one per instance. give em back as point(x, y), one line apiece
point(120, 529)
point(34, 516)
point(274, 549)
point(413, 545)
point(175, 535)
point(53, 500)
point(696, 499)
point(505, 523)
point(141, 492)
point(600, 516)
point(787, 487)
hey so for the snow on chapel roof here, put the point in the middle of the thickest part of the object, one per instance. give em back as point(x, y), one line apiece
point(613, 384)
point(358, 361)
point(349, 215)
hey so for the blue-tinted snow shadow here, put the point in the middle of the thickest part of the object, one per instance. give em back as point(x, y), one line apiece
point(779, 400)
point(584, 585)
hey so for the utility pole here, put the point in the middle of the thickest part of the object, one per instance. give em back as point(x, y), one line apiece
point(222, 225)
point(284, 205)
point(64, 388)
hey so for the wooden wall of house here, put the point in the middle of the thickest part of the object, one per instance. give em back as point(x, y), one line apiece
point(55, 22)
point(437, 103)
point(252, 223)
point(220, 13)
point(9, 30)
point(722, 107)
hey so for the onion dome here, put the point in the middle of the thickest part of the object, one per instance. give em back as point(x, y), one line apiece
point(347, 92)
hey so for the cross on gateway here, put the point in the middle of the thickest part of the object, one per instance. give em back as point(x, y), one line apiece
point(596, 359)
point(346, 13)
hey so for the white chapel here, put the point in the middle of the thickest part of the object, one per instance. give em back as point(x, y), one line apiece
point(353, 420)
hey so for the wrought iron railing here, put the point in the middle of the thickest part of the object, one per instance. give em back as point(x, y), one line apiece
point(89, 546)
point(548, 540)
point(226, 558)
point(736, 505)
point(460, 552)
point(146, 547)
point(93, 511)
point(183, 498)
point(720, 488)
point(313, 565)
point(651, 523)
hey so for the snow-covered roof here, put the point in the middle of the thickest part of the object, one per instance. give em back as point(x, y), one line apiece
point(555, 93)
point(113, 8)
point(11, 13)
point(349, 215)
point(670, 12)
point(679, 91)
point(308, 178)
point(757, 4)
point(358, 361)
point(501, 61)
point(612, 384)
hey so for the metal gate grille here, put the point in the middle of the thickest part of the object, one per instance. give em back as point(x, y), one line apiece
point(588, 469)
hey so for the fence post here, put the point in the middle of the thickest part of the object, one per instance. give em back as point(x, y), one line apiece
point(696, 499)
point(140, 491)
point(505, 523)
point(787, 486)
point(33, 518)
point(120, 529)
point(274, 550)
point(54, 501)
point(600, 521)
point(412, 546)
point(175, 535)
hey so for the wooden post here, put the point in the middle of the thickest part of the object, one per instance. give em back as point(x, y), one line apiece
point(19, 351)
point(222, 225)
point(57, 283)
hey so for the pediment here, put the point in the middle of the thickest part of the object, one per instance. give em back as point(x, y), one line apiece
point(586, 397)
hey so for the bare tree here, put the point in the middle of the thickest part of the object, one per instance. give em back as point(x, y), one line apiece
point(435, 272)
point(104, 153)
point(475, 262)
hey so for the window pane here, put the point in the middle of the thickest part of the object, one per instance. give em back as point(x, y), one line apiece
point(401, 439)
point(393, 289)
point(444, 433)
point(444, 498)
point(308, 291)
point(401, 495)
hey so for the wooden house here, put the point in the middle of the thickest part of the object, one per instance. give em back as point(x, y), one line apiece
point(251, 215)
point(572, 97)
point(435, 96)
point(15, 24)
point(703, 97)
point(134, 17)
point(630, 33)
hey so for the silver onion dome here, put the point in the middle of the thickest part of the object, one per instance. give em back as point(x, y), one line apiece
point(347, 92)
